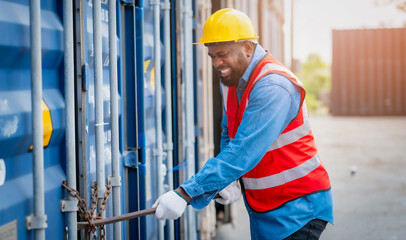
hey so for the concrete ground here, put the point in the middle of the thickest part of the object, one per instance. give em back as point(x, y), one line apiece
point(366, 160)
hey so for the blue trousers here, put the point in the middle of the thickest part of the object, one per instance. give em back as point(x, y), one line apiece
point(311, 231)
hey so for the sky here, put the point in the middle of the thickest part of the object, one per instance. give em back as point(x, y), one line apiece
point(315, 19)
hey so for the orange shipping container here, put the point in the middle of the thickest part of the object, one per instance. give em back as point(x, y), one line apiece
point(369, 72)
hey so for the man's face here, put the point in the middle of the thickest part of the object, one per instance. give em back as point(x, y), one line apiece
point(231, 60)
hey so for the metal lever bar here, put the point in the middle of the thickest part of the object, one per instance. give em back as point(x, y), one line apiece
point(124, 217)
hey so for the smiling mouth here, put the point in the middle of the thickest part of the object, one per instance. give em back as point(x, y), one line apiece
point(225, 72)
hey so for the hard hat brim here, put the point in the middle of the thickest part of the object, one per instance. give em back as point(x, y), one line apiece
point(225, 41)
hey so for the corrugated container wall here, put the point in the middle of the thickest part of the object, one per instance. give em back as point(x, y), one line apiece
point(143, 106)
point(271, 19)
point(369, 72)
point(16, 125)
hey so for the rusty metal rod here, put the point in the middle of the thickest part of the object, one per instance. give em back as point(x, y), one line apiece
point(124, 217)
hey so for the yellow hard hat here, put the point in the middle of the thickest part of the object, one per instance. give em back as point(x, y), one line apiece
point(227, 25)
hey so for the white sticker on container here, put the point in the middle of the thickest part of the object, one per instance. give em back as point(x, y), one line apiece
point(9, 231)
point(2, 172)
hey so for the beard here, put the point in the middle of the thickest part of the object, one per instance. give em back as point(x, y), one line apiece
point(236, 72)
point(233, 81)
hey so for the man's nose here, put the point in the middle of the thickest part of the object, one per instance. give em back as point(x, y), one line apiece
point(217, 62)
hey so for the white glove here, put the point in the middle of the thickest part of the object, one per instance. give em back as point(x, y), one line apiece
point(169, 206)
point(229, 194)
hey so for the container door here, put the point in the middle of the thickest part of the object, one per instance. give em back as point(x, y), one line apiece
point(16, 161)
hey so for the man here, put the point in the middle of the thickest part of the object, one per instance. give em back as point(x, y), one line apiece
point(266, 141)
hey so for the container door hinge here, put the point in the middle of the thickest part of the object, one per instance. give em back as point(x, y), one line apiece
point(36, 222)
point(166, 5)
point(157, 153)
point(131, 158)
point(168, 146)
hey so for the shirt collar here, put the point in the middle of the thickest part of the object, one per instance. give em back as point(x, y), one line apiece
point(259, 53)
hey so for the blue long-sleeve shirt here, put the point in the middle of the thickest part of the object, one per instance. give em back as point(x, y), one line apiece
point(274, 102)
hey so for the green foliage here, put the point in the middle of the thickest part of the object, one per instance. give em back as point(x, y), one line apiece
point(312, 103)
point(315, 75)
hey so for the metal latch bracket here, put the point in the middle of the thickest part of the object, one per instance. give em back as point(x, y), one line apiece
point(36, 222)
point(69, 205)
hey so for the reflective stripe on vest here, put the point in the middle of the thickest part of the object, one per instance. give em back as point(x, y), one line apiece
point(293, 135)
point(282, 177)
point(277, 68)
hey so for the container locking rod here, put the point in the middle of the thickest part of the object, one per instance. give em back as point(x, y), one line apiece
point(124, 217)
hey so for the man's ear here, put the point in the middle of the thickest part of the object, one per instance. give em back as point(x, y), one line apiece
point(248, 48)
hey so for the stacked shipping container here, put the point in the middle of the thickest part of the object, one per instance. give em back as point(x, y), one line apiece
point(369, 72)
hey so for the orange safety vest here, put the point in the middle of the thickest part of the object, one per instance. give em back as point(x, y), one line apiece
point(291, 167)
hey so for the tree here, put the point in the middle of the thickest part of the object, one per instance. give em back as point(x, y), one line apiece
point(316, 77)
